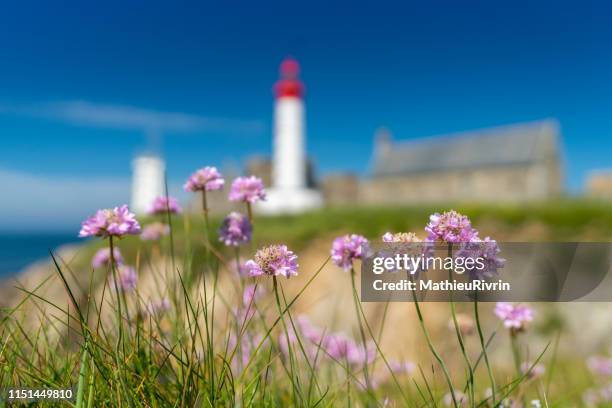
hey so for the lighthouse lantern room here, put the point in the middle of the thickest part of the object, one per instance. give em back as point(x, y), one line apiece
point(289, 192)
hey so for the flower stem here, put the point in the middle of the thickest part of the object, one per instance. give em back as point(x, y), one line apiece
point(206, 220)
point(289, 351)
point(116, 285)
point(466, 358)
point(516, 354)
point(249, 211)
point(119, 314)
point(432, 348)
point(361, 331)
point(484, 349)
point(240, 284)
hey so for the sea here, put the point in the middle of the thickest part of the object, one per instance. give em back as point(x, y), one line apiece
point(18, 250)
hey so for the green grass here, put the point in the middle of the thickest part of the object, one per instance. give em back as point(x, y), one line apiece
point(193, 354)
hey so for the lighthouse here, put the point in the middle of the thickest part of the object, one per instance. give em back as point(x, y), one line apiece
point(147, 181)
point(289, 192)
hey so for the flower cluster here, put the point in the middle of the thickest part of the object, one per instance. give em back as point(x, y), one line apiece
point(158, 307)
point(277, 260)
point(127, 278)
point(488, 250)
point(247, 189)
point(450, 227)
point(236, 229)
point(238, 267)
point(532, 371)
point(595, 397)
point(407, 243)
point(204, 179)
point(337, 346)
point(116, 222)
point(347, 248)
point(246, 344)
point(154, 231)
point(273, 260)
point(251, 294)
point(163, 205)
point(342, 348)
point(600, 365)
point(102, 257)
point(515, 317)
point(402, 367)
point(245, 341)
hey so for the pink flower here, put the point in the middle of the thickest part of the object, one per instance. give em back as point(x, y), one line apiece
point(337, 346)
point(347, 248)
point(600, 365)
point(204, 179)
point(235, 230)
point(598, 396)
point(116, 222)
point(238, 267)
point(273, 260)
point(163, 204)
point(247, 189)
point(488, 250)
point(127, 278)
point(312, 338)
point(158, 307)
point(532, 372)
point(514, 317)
point(402, 367)
point(251, 294)
point(102, 257)
point(461, 398)
point(450, 227)
point(154, 231)
point(343, 348)
point(286, 339)
point(244, 349)
point(309, 331)
point(407, 243)
point(375, 382)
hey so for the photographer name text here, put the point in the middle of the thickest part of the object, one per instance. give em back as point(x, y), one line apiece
point(445, 285)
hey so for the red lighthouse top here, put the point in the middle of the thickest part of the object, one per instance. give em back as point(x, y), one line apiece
point(289, 83)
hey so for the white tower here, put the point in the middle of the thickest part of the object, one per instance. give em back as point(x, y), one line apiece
point(289, 192)
point(147, 181)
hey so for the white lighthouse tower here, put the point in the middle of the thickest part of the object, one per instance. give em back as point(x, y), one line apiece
point(147, 181)
point(289, 192)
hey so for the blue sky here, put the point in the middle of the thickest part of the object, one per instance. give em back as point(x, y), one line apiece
point(205, 70)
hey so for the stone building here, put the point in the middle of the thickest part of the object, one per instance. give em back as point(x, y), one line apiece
point(340, 189)
point(261, 167)
point(599, 184)
point(513, 163)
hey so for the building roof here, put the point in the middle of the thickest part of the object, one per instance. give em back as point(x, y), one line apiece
point(516, 144)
